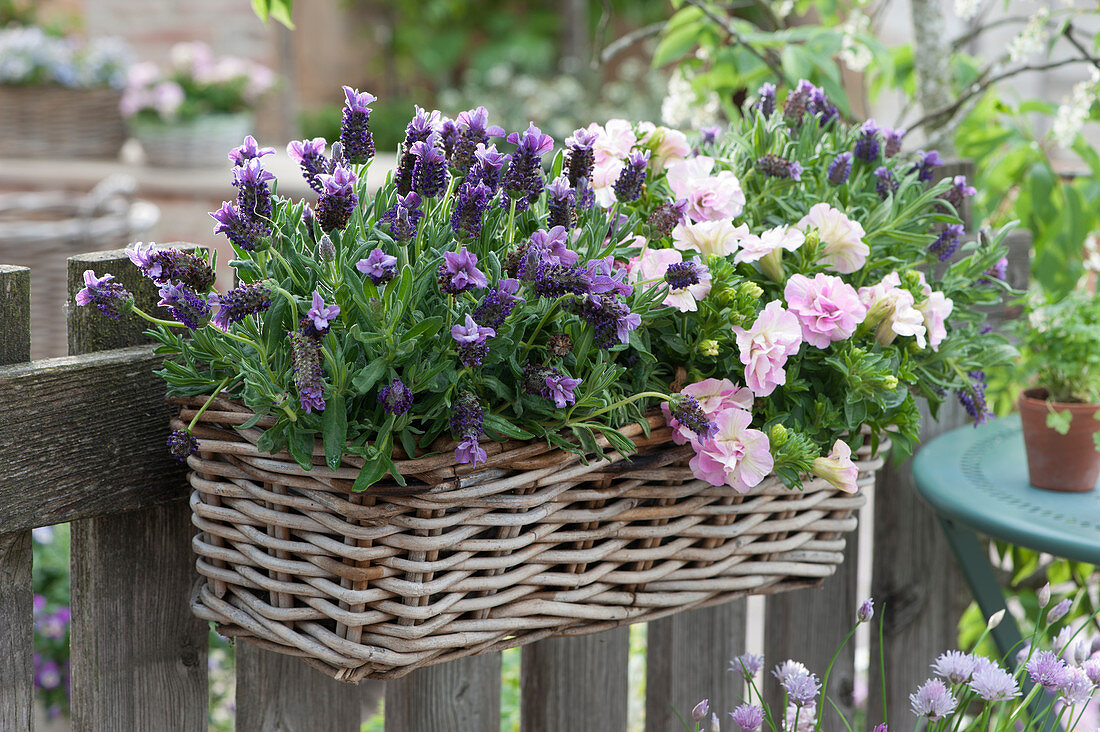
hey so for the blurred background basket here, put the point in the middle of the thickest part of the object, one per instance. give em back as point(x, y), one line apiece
point(203, 142)
point(59, 122)
point(531, 544)
point(41, 230)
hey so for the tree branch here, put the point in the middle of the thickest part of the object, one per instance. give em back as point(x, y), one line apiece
point(624, 42)
point(1068, 33)
point(767, 59)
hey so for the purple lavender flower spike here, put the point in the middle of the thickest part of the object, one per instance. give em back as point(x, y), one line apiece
point(320, 314)
point(487, 166)
point(396, 398)
point(238, 303)
point(241, 230)
point(338, 199)
point(766, 99)
point(947, 243)
point(665, 218)
point(310, 156)
point(467, 420)
point(886, 184)
point(747, 664)
point(429, 173)
point(459, 272)
point(305, 355)
point(685, 274)
point(163, 264)
point(403, 217)
point(933, 700)
point(561, 203)
point(628, 187)
point(610, 319)
point(253, 193)
point(523, 180)
point(973, 398)
point(997, 273)
point(958, 192)
point(379, 266)
point(473, 130)
point(775, 166)
point(709, 135)
point(498, 304)
point(926, 166)
point(182, 444)
point(185, 305)
point(448, 134)
point(840, 168)
point(822, 108)
point(249, 150)
point(471, 339)
point(798, 102)
point(867, 144)
point(748, 717)
point(1047, 670)
point(469, 209)
point(355, 134)
point(419, 129)
point(580, 157)
point(892, 140)
point(687, 412)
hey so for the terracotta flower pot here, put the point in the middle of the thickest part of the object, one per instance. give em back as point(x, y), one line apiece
point(1057, 462)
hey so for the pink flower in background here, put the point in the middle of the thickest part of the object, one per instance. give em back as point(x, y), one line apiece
point(764, 348)
point(604, 175)
point(709, 197)
point(167, 98)
point(719, 237)
point(651, 267)
point(755, 247)
point(842, 245)
point(891, 311)
point(714, 397)
point(827, 307)
point(736, 456)
point(837, 468)
point(667, 145)
point(935, 309)
point(614, 139)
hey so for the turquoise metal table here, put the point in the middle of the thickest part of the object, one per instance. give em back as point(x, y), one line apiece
point(975, 478)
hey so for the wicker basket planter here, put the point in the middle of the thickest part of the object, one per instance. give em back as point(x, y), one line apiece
point(59, 122)
point(532, 544)
point(199, 143)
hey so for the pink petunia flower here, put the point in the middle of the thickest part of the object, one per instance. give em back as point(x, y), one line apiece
point(764, 348)
point(667, 145)
point(828, 308)
point(891, 311)
point(718, 237)
point(709, 197)
point(651, 268)
point(714, 397)
point(842, 245)
point(736, 456)
point(837, 468)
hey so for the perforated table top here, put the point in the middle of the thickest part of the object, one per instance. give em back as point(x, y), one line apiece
point(978, 477)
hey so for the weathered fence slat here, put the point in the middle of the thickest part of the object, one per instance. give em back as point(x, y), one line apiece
point(575, 683)
point(687, 660)
point(458, 695)
point(280, 693)
point(16, 591)
point(138, 654)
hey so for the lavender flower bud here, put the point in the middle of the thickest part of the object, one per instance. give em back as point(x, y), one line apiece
point(355, 134)
point(396, 398)
point(403, 217)
point(523, 180)
point(338, 201)
point(498, 304)
point(467, 416)
point(775, 166)
point(419, 129)
point(947, 242)
point(686, 411)
point(429, 173)
point(867, 145)
point(237, 304)
point(628, 187)
point(886, 183)
point(185, 305)
point(797, 103)
point(182, 444)
point(305, 355)
point(326, 250)
point(893, 141)
point(766, 102)
point(469, 210)
point(163, 265)
point(580, 157)
point(973, 398)
point(822, 108)
point(840, 168)
point(109, 297)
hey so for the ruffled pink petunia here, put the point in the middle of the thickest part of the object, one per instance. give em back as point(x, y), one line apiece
point(827, 307)
point(736, 456)
point(765, 346)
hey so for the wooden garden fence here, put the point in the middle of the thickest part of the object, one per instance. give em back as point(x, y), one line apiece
point(82, 441)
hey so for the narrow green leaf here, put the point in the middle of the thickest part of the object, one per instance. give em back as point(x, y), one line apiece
point(369, 375)
point(300, 447)
point(334, 430)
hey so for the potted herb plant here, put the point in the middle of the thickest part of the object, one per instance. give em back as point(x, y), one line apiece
point(524, 390)
point(1060, 413)
point(189, 113)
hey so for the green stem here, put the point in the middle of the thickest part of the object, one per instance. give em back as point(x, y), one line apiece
point(158, 321)
point(209, 401)
point(828, 670)
point(621, 402)
point(538, 328)
point(511, 235)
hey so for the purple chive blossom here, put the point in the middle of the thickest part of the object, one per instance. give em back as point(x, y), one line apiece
point(253, 192)
point(469, 210)
point(992, 683)
point(665, 218)
point(1092, 669)
point(798, 102)
point(973, 398)
point(893, 140)
point(866, 610)
point(610, 319)
point(955, 666)
point(926, 166)
point(355, 134)
point(775, 166)
point(747, 664)
point(523, 179)
point(958, 192)
point(162, 265)
point(687, 412)
point(109, 297)
point(395, 397)
point(998, 272)
point(305, 355)
point(867, 144)
point(766, 99)
point(801, 689)
point(628, 187)
point(1047, 670)
point(471, 339)
point(603, 278)
point(249, 150)
point(840, 168)
point(238, 303)
point(822, 108)
point(320, 314)
point(182, 444)
point(789, 668)
point(684, 274)
point(338, 199)
point(748, 717)
point(487, 166)
point(699, 711)
point(467, 419)
point(498, 304)
point(403, 217)
point(1076, 687)
point(379, 266)
point(947, 243)
point(459, 272)
point(580, 157)
point(185, 305)
point(1059, 611)
point(933, 700)
point(561, 203)
point(886, 184)
point(473, 130)
point(310, 156)
point(242, 231)
point(419, 129)
point(429, 172)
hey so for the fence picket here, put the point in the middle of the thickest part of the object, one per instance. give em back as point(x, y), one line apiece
point(687, 660)
point(457, 695)
point(280, 693)
point(575, 683)
point(138, 654)
point(16, 591)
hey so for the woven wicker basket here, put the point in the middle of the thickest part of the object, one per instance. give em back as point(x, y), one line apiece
point(58, 122)
point(531, 544)
point(203, 142)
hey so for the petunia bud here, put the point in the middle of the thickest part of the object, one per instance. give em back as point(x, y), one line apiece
point(709, 347)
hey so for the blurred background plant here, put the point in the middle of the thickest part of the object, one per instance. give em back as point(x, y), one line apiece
point(51, 618)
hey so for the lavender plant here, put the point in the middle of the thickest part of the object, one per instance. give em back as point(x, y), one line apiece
point(486, 294)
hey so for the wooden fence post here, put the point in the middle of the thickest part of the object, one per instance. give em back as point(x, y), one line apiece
point(687, 660)
point(575, 683)
point(138, 654)
point(280, 693)
point(457, 695)
point(16, 591)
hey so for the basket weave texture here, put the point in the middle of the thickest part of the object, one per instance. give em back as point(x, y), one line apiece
point(59, 122)
point(199, 143)
point(531, 544)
